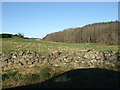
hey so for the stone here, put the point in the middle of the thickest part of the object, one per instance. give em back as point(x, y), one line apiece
point(66, 60)
point(8, 56)
point(75, 65)
point(37, 55)
point(81, 54)
point(93, 61)
point(3, 58)
point(3, 64)
point(20, 53)
point(20, 64)
point(40, 61)
point(56, 52)
point(14, 56)
point(85, 63)
point(90, 58)
point(42, 57)
point(112, 58)
point(107, 54)
point(97, 57)
point(10, 63)
point(16, 61)
point(55, 65)
point(89, 55)
point(29, 63)
point(117, 65)
point(97, 52)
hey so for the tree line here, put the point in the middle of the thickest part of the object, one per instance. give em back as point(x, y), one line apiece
point(6, 35)
point(106, 32)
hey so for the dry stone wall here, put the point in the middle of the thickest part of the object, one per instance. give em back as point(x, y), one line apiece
point(89, 58)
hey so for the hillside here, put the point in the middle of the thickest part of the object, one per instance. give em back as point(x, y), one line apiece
point(106, 32)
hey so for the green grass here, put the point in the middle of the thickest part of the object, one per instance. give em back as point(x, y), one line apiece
point(13, 77)
point(44, 47)
point(23, 76)
point(91, 77)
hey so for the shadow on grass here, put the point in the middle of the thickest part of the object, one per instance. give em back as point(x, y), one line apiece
point(81, 78)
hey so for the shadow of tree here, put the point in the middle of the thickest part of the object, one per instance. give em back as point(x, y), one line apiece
point(81, 78)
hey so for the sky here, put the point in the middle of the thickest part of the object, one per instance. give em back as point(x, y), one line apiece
point(60, 0)
point(37, 19)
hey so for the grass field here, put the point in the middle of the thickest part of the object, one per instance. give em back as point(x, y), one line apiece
point(49, 78)
point(44, 47)
point(22, 76)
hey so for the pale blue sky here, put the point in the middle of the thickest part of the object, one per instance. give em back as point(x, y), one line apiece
point(36, 19)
